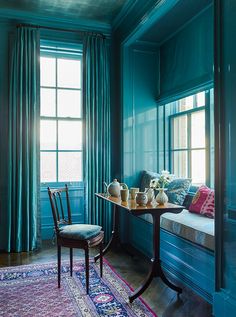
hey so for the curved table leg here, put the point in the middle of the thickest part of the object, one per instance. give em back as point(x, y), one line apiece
point(156, 270)
point(168, 283)
point(114, 235)
point(144, 286)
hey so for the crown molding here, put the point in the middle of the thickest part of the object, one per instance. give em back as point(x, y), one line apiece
point(155, 12)
point(126, 9)
point(75, 24)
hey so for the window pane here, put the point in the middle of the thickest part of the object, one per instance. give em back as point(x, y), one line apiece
point(186, 103)
point(198, 129)
point(47, 135)
point(47, 102)
point(69, 135)
point(201, 99)
point(48, 167)
point(69, 103)
point(198, 168)
point(70, 166)
point(47, 71)
point(180, 163)
point(180, 132)
point(69, 73)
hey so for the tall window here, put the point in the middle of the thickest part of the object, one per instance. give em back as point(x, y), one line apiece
point(61, 138)
point(189, 133)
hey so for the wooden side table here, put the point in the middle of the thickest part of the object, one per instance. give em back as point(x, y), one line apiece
point(156, 211)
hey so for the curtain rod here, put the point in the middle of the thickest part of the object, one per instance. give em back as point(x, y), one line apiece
point(62, 30)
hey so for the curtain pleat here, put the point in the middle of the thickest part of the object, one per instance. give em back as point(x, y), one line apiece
point(23, 227)
point(96, 85)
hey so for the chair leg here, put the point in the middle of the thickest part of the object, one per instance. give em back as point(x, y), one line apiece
point(87, 269)
point(59, 265)
point(101, 258)
point(71, 261)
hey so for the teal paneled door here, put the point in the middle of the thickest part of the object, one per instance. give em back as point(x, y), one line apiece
point(225, 296)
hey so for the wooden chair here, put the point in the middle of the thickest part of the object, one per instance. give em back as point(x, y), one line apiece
point(82, 236)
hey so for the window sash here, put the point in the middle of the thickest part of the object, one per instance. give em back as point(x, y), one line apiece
point(56, 53)
point(189, 149)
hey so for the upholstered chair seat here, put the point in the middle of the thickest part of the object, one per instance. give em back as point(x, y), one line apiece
point(80, 231)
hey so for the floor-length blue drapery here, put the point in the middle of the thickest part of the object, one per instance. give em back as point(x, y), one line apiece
point(22, 228)
point(96, 85)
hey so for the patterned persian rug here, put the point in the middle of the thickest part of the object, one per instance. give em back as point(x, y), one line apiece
point(31, 290)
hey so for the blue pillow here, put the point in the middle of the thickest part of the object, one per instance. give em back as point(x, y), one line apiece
point(146, 178)
point(189, 197)
point(177, 190)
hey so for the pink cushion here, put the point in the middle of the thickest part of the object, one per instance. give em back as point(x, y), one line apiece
point(204, 202)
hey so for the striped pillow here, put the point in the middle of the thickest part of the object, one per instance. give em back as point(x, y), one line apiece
point(204, 202)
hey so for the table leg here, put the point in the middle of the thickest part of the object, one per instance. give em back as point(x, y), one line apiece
point(167, 282)
point(156, 270)
point(114, 235)
point(144, 286)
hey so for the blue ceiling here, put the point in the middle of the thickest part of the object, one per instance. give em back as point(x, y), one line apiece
point(103, 11)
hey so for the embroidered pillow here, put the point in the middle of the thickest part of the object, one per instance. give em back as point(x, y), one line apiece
point(177, 190)
point(146, 177)
point(204, 202)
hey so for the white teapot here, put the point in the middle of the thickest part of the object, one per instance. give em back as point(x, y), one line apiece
point(114, 188)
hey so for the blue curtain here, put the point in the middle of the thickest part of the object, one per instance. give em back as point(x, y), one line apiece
point(21, 230)
point(96, 85)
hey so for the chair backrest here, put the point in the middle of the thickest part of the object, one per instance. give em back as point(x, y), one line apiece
point(61, 215)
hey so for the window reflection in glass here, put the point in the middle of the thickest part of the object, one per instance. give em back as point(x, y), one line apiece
point(180, 132)
point(198, 166)
point(48, 135)
point(48, 71)
point(69, 103)
point(69, 73)
point(48, 167)
point(69, 166)
point(48, 102)
point(180, 163)
point(198, 129)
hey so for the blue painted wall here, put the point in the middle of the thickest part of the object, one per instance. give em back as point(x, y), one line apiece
point(141, 78)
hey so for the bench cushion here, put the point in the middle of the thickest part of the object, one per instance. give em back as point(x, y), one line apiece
point(198, 229)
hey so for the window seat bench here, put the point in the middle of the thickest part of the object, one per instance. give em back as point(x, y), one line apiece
point(193, 227)
point(186, 243)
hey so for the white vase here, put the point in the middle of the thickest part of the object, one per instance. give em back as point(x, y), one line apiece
point(150, 194)
point(161, 197)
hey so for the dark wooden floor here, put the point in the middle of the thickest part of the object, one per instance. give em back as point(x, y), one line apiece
point(133, 269)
